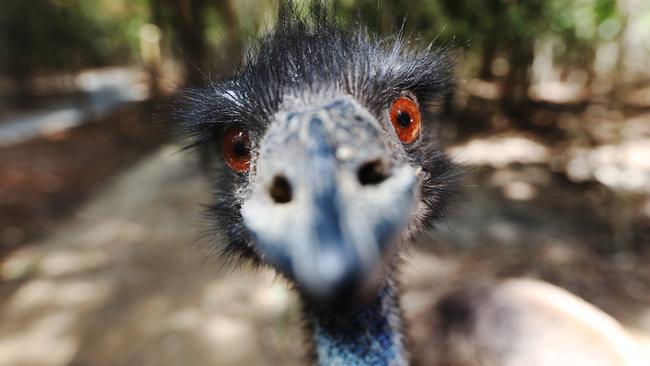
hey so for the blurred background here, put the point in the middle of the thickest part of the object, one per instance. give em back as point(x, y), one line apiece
point(99, 208)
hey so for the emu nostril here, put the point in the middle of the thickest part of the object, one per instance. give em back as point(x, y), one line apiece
point(372, 172)
point(280, 189)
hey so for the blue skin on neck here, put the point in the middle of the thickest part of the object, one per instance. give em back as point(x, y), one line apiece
point(368, 336)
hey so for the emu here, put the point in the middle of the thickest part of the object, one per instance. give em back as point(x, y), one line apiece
point(330, 167)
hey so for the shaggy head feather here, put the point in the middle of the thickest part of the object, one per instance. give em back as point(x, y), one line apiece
point(305, 59)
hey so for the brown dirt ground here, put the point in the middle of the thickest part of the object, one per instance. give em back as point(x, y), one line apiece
point(110, 275)
point(42, 180)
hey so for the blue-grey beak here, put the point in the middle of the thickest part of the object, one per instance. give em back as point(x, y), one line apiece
point(330, 195)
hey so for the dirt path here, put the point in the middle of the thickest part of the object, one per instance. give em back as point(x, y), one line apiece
point(120, 284)
point(44, 179)
point(100, 93)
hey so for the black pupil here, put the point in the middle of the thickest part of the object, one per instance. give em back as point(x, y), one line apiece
point(403, 119)
point(239, 147)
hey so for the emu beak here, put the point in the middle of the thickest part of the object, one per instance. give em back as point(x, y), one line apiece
point(329, 200)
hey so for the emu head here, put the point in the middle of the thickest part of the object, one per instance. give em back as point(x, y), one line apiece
point(327, 156)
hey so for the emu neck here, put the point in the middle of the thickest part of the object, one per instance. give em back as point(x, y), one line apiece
point(371, 335)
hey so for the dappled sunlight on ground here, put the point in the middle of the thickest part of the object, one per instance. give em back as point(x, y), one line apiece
point(621, 166)
point(42, 180)
point(500, 151)
point(559, 92)
point(612, 150)
point(103, 90)
point(122, 284)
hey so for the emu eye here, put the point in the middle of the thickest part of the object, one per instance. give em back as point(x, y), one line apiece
point(237, 149)
point(405, 117)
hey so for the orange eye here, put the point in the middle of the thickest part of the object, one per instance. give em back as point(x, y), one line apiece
point(237, 149)
point(405, 117)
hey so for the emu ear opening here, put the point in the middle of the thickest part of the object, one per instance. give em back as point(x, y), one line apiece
point(237, 149)
point(405, 117)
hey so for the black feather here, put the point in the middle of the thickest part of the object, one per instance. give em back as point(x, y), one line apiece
point(309, 51)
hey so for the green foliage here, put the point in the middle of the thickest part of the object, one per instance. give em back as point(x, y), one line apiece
point(44, 35)
point(496, 23)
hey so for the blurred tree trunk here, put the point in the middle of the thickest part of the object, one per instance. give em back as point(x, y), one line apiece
point(619, 86)
point(187, 23)
point(517, 82)
point(233, 40)
point(227, 11)
point(492, 37)
point(191, 35)
point(487, 57)
point(17, 60)
point(154, 72)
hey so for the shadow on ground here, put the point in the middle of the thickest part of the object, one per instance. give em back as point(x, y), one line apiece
point(121, 283)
